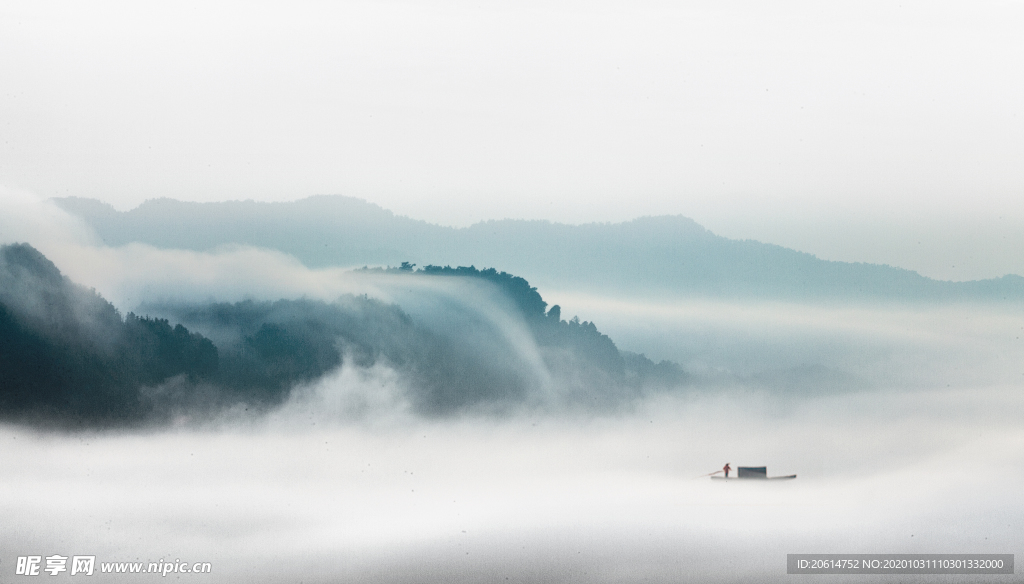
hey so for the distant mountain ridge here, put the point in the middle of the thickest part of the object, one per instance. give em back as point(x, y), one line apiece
point(662, 255)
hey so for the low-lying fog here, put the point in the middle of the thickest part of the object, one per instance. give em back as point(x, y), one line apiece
point(343, 484)
point(902, 423)
point(606, 500)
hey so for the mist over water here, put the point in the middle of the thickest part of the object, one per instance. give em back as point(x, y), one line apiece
point(902, 423)
point(345, 483)
point(532, 499)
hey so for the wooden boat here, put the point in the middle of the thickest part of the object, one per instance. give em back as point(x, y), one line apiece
point(753, 473)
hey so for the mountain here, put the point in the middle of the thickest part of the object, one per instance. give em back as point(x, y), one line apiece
point(649, 256)
point(67, 357)
point(320, 231)
point(484, 341)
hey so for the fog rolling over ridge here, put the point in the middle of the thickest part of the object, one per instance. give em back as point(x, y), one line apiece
point(651, 256)
point(480, 341)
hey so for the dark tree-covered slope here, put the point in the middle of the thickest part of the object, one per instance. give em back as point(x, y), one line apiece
point(67, 357)
point(474, 366)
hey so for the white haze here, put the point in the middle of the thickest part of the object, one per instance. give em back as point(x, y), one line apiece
point(27, 217)
point(858, 130)
point(911, 442)
point(617, 499)
point(879, 344)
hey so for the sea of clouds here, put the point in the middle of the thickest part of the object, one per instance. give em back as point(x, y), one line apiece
point(902, 423)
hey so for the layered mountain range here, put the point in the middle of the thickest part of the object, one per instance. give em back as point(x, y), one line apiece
point(645, 257)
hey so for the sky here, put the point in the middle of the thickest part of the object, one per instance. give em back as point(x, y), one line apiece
point(860, 131)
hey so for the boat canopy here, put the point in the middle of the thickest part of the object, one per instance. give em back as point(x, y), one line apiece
point(752, 472)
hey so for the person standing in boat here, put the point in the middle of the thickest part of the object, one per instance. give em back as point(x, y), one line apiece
point(726, 469)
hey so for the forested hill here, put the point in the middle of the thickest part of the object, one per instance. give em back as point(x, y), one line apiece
point(644, 257)
point(67, 357)
point(583, 360)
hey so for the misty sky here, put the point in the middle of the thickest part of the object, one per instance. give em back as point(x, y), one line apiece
point(861, 131)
